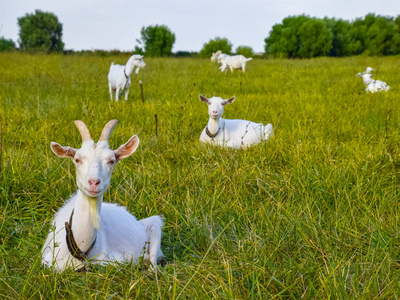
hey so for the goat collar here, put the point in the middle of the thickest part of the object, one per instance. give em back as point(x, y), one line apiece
point(126, 76)
point(210, 134)
point(71, 243)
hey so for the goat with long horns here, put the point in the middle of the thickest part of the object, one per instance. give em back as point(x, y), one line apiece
point(86, 230)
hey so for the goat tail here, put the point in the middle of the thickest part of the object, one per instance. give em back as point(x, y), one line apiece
point(250, 58)
point(112, 64)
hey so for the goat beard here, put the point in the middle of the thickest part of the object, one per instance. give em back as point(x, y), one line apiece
point(95, 212)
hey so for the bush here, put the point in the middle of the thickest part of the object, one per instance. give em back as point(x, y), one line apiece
point(214, 45)
point(40, 32)
point(158, 40)
point(245, 51)
point(6, 45)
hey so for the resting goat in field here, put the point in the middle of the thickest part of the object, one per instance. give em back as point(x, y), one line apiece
point(86, 230)
point(373, 86)
point(119, 76)
point(234, 62)
point(231, 133)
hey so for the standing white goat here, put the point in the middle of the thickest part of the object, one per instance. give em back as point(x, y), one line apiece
point(86, 230)
point(373, 86)
point(234, 62)
point(231, 133)
point(119, 76)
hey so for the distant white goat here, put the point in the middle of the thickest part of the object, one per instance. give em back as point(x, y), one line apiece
point(373, 86)
point(234, 62)
point(119, 76)
point(86, 230)
point(214, 56)
point(231, 133)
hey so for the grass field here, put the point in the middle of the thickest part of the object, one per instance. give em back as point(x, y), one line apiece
point(312, 214)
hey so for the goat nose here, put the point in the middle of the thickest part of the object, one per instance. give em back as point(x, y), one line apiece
point(94, 182)
point(215, 112)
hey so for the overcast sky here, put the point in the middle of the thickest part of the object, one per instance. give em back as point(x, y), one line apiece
point(116, 24)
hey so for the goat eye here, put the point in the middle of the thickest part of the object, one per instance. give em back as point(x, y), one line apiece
point(77, 161)
point(111, 161)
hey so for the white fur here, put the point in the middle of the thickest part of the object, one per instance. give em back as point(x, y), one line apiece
point(118, 80)
point(231, 133)
point(234, 62)
point(119, 236)
point(221, 58)
point(214, 56)
point(369, 70)
point(373, 86)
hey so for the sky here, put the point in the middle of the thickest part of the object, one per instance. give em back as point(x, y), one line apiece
point(116, 24)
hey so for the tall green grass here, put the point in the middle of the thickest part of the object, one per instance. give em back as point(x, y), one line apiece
point(313, 213)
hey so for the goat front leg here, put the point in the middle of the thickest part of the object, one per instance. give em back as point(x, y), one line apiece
point(117, 90)
point(126, 93)
point(111, 91)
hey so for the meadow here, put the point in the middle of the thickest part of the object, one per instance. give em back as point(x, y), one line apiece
point(313, 213)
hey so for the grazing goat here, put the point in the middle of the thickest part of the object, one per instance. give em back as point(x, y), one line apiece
point(86, 230)
point(231, 133)
point(234, 62)
point(119, 76)
point(214, 56)
point(373, 86)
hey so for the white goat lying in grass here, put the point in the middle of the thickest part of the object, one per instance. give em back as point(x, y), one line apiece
point(231, 133)
point(119, 76)
point(214, 56)
point(86, 230)
point(234, 62)
point(373, 86)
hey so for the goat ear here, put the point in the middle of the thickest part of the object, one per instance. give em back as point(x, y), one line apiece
point(230, 100)
point(204, 99)
point(358, 75)
point(61, 151)
point(127, 149)
point(372, 75)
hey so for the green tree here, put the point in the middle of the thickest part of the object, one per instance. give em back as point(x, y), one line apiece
point(341, 42)
point(315, 39)
point(245, 51)
point(6, 45)
point(382, 36)
point(40, 32)
point(157, 40)
point(214, 45)
point(284, 40)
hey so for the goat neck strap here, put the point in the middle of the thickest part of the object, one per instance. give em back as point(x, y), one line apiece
point(126, 76)
point(210, 134)
point(71, 243)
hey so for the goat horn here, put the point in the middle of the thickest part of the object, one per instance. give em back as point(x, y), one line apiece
point(105, 134)
point(83, 130)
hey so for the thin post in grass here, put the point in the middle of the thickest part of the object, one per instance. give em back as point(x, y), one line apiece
point(141, 89)
point(155, 116)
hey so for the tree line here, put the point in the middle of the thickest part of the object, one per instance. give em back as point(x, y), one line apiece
point(305, 37)
point(296, 37)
